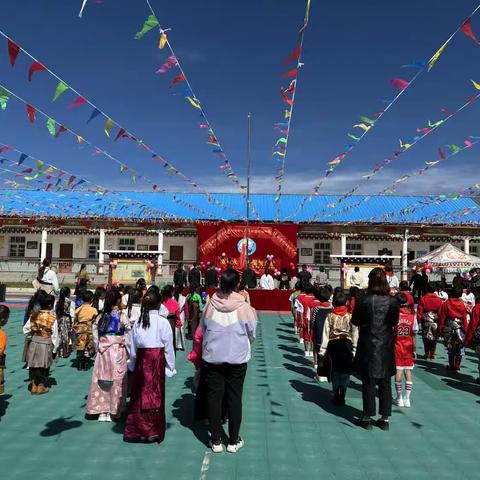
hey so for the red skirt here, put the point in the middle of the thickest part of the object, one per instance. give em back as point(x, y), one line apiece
point(146, 411)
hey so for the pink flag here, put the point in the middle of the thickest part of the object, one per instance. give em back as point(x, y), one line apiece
point(170, 62)
point(399, 83)
point(78, 102)
point(466, 28)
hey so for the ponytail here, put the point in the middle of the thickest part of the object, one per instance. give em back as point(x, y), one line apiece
point(60, 308)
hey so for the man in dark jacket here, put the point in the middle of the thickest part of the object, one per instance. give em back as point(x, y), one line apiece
point(179, 278)
point(249, 278)
point(304, 276)
point(211, 277)
point(416, 283)
point(194, 275)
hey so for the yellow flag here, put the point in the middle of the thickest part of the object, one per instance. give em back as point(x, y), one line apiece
point(288, 113)
point(108, 126)
point(163, 40)
point(364, 127)
point(79, 139)
point(432, 61)
point(193, 102)
point(49, 170)
point(475, 84)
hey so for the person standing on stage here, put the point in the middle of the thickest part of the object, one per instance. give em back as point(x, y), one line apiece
point(266, 281)
point(211, 277)
point(284, 280)
point(304, 276)
point(249, 278)
point(194, 276)
point(180, 278)
point(356, 278)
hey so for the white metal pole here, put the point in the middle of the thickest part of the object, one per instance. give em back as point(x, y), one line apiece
point(43, 245)
point(405, 256)
point(101, 249)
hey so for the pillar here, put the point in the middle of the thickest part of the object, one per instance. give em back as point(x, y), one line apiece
point(43, 246)
point(467, 245)
point(101, 248)
point(160, 255)
point(405, 256)
point(343, 245)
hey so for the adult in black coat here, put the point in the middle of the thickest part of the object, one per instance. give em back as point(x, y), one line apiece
point(180, 278)
point(376, 314)
point(194, 275)
point(211, 277)
point(249, 278)
point(304, 276)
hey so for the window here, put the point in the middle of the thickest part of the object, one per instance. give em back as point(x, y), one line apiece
point(385, 251)
point(126, 244)
point(93, 246)
point(354, 248)
point(321, 253)
point(17, 247)
point(434, 247)
point(473, 249)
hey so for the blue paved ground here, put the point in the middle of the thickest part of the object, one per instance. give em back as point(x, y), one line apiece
point(290, 427)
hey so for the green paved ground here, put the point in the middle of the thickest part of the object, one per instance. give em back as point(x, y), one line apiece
point(290, 427)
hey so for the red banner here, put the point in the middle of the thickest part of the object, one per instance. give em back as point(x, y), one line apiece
point(270, 246)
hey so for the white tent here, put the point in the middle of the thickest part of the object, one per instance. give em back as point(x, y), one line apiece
point(448, 257)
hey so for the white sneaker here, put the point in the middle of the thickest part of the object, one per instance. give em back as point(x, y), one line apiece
point(399, 402)
point(216, 447)
point(322, 379)
point(301, 341)
point(315, 366)
point(102, 417)
point(236, 447)
point(406, 403)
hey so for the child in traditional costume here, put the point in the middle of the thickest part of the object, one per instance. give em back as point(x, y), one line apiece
point(427, 316)
point(339, 340)
point(108, 387)
point(404, 338)
point(292, 299)
point(152, 357)
point(42, 326)
point(472, 338)
point(298, 307)
point(174, 318)
point(83, 327)
point(452, 324)
point(319, 316)
point(4, 315)
point(63, 310)
point(194, 307)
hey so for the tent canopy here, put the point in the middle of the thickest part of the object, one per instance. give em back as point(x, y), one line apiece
point(448, 256)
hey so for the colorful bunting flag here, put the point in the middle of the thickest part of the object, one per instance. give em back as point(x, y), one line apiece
point(150, 22)
point(399, 83)
point(13, 51)
point(31, 113)
point(163, 40)
point(78, 102)
point(437, 54)
point(293, 56)
point(290, 73)
point(95, 113)
point(22, 158)
point(466, 28)
point(4, 96)
point(35, 67)
point(194, 103)
point(61, 88)
point(108, 126)
point(51, 126)
point(170, 62)
point(178, 79)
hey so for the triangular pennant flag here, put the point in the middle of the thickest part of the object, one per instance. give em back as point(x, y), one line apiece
point(193, 102)
point(31, 113)
point(95, 113)
point(163, 40)
point(108, 126)
point(399, 83)
point(290, 73)
point(170, 62)
point(434, 59)
point(5, 148)
point(4, 96)
point(177, 79)
point(293, 56)
point(13, 51)
point(51, 126)
point(466, 28)
point(39, 164)
point(78, 102)
point(22, 158)
point(80, 139)
point(475, 84)
point(61, 129)
point(35, 67)
point(121, 133)
point(150, 23)
point(61, 88)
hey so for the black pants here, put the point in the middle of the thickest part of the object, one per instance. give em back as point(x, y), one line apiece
point(284, 285)
point(38, 375)
point(369, 387)
point(224, 381)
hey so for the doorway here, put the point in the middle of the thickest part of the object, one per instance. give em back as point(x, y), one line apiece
point(65, 258)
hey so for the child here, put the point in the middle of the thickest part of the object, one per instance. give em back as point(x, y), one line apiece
point(194, 308)
point(4, 314)
point(472, 338)
point(82, 325)
point(452, 324)
point(319, 315)
point(63, 310)
point(353, 292)
point(308, 302)
point(173, 316)
point(43, 328)
point(427, 315)
point(339, 341)
point(405, 291)
point(298, 306)
point(404, 338)
point(292, 299)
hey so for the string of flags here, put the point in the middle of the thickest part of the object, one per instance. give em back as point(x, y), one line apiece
point(367, 123)
point(287, 95)
point(56, 129)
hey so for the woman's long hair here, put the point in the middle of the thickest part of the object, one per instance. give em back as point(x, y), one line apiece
point(41, 270)
point(134, 297)
point(60, 308)
point(377, 282)
point(167, 291)
point(97, 296)
point(151, 301)
point(112, 298)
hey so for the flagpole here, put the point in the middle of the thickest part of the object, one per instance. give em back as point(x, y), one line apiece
point(249, 161)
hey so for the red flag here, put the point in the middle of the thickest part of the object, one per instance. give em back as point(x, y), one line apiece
point(283, 94)
point(35, 67)
point(60, 130)
point(291, 73)
point(466, 28)
point(31, 113)
point(399, 83)
point(177, 79)
point(5, 149)
point(121, 133)
point(78, 102)
point(442, 154)
point(294, 55)
point(13, 51)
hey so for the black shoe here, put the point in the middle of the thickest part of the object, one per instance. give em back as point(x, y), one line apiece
point(364, 423)
point(383, 425)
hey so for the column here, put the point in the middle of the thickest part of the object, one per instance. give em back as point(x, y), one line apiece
point(43, 246)
point(467, 245)
point(343, 245)
point(160, 255)
point(101, 248)
point(405, 256)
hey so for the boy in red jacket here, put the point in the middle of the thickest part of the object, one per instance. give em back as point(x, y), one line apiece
point(404, 337)
point(308, 302)
point(472, 338)
point(427, 315)
point(452, 324)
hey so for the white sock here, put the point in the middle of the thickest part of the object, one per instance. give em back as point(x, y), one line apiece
point(408, 389)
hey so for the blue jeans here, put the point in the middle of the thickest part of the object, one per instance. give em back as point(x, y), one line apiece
point(340, 380)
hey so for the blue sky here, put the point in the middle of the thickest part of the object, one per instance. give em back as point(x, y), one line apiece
point(232, 53)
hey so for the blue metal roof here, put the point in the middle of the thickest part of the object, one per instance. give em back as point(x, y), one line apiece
point(228, 206)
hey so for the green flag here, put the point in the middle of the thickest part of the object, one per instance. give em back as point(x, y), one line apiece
point(61, 87)
point(150, 22)
point(4, 96)
point(51, 126)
